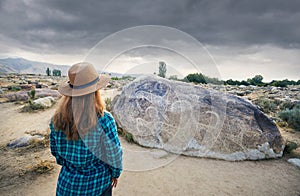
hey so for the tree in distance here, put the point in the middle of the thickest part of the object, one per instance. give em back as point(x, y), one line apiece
point(48, 71)
point(162, 69)
point(56, 72)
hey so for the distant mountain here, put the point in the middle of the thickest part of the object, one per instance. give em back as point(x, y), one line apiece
point(24, 66)
point(21, 65)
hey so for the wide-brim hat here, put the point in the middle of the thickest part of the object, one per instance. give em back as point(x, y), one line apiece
point(83, 79)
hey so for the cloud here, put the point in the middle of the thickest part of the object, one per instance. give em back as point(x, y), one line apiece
point(71, 27)
point(62, 25)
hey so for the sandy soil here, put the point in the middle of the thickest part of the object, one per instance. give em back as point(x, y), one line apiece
point(182, 176)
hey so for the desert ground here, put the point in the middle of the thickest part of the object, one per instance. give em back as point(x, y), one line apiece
point(182, 176)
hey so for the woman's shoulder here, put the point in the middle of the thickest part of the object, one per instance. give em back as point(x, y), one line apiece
point(107, 117)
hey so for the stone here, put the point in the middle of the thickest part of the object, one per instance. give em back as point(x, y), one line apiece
point(46, 102)
point(47, 92)
point(295, 162)
point(38, 86)
point(295, 89)
point(1, 91)
point(187, 119)
point(23, 95)
point(24, 141)
point(240, 93)
point(26, 87)
point(16, 96)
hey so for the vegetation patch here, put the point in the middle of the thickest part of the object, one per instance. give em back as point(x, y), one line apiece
point(290, 146)
point(292, 117)
point(43, 166)
point(108, 104)
point(32, 107)
point(265, 105)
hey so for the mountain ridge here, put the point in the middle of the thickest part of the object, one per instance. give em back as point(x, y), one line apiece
point(24, 66)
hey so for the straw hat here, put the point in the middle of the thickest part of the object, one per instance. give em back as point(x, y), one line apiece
point(83, 79)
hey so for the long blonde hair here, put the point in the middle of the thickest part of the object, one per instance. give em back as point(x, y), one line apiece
point(78, 114)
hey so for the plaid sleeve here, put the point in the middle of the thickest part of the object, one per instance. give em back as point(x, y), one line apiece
point(113, 150)
point(53, 146)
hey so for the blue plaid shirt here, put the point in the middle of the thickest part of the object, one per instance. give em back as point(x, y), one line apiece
point(88, 164)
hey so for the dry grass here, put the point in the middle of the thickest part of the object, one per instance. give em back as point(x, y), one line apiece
point(43, 166)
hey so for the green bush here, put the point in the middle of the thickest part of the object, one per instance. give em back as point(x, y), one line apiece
point(14, 88)
point(266, 105)
point(129, 137)
point(196, 78)
point(290, 146)
point(292, 117)
point(31, 94)
point(114, 78)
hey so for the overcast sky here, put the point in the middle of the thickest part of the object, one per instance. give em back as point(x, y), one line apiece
point(245, 38)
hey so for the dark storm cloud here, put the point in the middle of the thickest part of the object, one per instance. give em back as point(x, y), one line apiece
point(70, 26)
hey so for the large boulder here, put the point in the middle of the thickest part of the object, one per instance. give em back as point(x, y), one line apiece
point(187, 119)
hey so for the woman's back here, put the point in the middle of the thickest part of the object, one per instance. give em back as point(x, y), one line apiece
point(86, 168)
point(84, 137)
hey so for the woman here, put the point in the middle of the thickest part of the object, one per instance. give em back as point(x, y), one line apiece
point(83, 136)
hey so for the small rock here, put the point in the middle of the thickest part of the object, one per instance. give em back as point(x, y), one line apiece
point(295, 89)
point(1, 91)
point(38, 86)
point(24, 141)
point(26, 86)
point(240, 93)
point(46, 102)
point(295, 162)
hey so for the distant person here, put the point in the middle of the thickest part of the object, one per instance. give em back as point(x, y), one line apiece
point(83, 136)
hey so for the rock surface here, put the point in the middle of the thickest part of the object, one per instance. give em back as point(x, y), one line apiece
point(24, 141)
point(23, 95)
point(191, 120)
point(47, 92)
point(46, 102)
point(295, 162)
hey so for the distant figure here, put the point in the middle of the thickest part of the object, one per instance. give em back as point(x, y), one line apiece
point(83, 136)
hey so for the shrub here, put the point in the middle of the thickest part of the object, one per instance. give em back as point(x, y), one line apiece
point(290, 146)
point(129, 137)
point(43, 166)
point(173, 77)
point(286, 105)
point(31, 107)
point(14, 88)
point(114, 78)
point(31, 94)
point(266, 105)
point(196, 78)
point(108, 104)
point(292, 117)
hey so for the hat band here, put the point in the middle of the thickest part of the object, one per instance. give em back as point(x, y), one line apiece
point(84, 85)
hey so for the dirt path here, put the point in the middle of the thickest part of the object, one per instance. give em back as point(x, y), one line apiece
point(183, 176)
